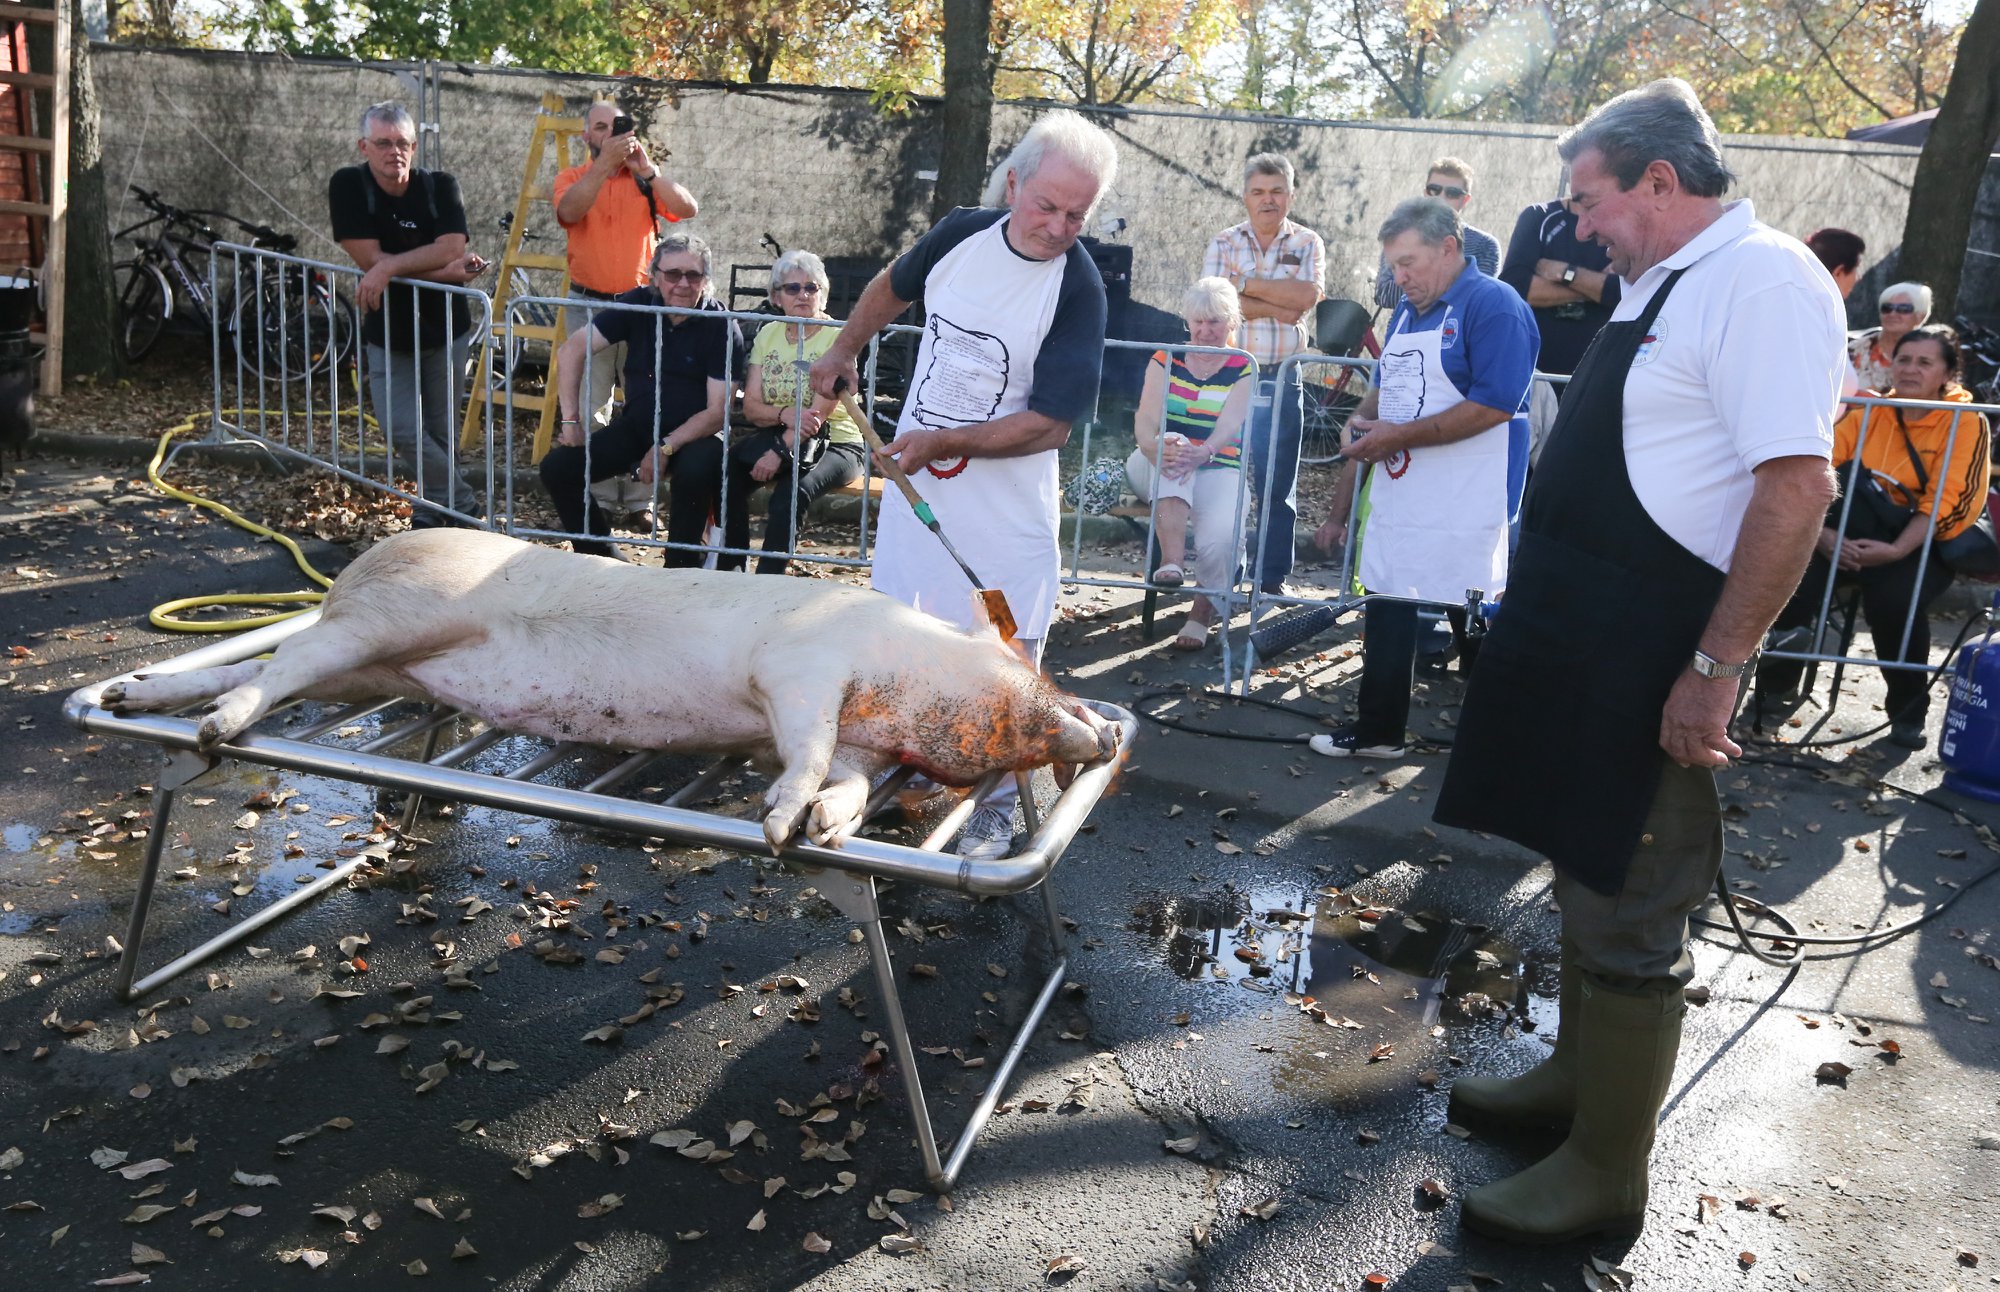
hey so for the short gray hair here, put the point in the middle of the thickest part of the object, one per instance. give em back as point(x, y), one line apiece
point(1212, 299)
point(389, 112)
point(1064, 134)
point(677, 244)
point(1917, 293)
point(1269, 164)
point(800, 262)
point(1663, 121)
point(1430, 218)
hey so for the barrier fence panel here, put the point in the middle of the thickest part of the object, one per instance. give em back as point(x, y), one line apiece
point(282, 330)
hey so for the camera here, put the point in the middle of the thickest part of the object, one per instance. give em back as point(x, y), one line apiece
point(621, 125)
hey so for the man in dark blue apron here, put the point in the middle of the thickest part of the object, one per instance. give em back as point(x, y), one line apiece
point(1669, 519)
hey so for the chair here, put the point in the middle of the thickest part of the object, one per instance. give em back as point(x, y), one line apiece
point(1339, 325)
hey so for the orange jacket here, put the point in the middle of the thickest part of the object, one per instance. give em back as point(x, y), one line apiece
point(1956, 500)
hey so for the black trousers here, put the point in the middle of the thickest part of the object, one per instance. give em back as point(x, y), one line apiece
point(838, 464)
point(1886, 594)
point(1388, 667)
point(694, 483)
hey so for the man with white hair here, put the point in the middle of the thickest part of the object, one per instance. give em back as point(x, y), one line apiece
point(397, 221)
point(1676, 501)
point(1012, 349)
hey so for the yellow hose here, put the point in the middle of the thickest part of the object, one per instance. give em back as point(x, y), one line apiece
point(161, 615)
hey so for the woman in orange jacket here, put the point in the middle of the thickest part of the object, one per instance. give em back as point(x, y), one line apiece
point(1904, 453)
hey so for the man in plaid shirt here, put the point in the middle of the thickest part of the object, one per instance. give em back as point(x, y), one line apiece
point(1279, 270)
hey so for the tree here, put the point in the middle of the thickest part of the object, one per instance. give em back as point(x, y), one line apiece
point(1108, 51)
point(1954, 160)
point(965, 122)
point(831, 42)
point(560, 35)
point(90, 294)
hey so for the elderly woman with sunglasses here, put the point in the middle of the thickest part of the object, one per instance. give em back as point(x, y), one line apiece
point(790, 417)
point(1905, 306)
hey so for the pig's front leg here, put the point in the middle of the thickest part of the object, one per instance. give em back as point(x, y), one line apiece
point(840, 804)
point(805, 727)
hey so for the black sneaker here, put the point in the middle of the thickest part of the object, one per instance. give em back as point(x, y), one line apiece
point(1908, 733)
point(1343, 742)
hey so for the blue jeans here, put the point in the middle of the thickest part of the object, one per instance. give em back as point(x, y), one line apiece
point(1274, 479)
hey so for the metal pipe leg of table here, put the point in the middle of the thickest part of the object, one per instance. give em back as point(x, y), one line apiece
point(181, 768)
point(416, 803)
point(861, 895)
point(983, 1110)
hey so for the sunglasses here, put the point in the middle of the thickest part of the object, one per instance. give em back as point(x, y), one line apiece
point(681, 275)
point(394, 145)
point(799, 289)
point(1899, 307)
point(1452, 191)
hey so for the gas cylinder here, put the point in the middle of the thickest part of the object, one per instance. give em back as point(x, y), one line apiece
point(1970, 744)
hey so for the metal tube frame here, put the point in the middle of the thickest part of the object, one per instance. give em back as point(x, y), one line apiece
point(858, 862)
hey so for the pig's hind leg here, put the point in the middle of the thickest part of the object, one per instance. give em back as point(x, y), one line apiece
point(154, 692)
point(320, 663)
point(805, 729)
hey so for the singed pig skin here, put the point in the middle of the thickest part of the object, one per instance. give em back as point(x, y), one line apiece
point(828, 682)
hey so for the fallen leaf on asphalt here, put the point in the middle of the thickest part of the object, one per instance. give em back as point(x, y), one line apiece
point(1831, 1071)
point(756, 1221)
point(311, 1257)
point(1067, 1263)
point(1263, 1210)
point(254, 1181)
point(816, 1245)
point(1433, 1190)
point(345, 1215)
point(1987, 1139)
point(126, 1280)
point(603, 1206)
point(606, 1034)
point(1746, 1259)
point(1186, 1145)
point(899, 1244)
point(145, 1212)
point(428, 1207)
point(740, 1131)
point(144, 1255)
point(416, 1267)
point(463, 1249)
point(393, 1043)
point(1707, 1207)
point(140, 1091)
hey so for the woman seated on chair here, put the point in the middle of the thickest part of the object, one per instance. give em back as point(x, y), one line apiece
point(1903, 483)
point(1905, 306)
point(829, 444)
point(1189, 424)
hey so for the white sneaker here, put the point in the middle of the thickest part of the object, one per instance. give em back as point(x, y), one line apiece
point(989, 835)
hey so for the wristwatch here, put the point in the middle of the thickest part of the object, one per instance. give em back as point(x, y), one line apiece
point(1706, 665)
point(1569, 275)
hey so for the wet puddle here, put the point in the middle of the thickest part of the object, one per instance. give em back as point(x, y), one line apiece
point(1341, 951)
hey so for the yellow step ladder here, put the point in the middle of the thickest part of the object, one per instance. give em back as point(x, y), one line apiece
point(551, 128)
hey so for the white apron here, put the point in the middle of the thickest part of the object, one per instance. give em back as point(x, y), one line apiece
point(987, 311)
point(1435, 519)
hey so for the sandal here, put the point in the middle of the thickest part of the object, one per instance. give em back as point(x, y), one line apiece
point(1191, 637)
point(1168, 576)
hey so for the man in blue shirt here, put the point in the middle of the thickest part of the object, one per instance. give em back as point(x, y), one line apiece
point(1444, 439)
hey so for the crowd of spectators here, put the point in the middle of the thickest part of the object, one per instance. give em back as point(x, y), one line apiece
point(1217, 436)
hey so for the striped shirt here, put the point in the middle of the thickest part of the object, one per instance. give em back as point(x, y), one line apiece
point(1194, 404)
point(1295, 252)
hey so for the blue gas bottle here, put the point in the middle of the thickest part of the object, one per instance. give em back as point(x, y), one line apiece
point(1970, 745)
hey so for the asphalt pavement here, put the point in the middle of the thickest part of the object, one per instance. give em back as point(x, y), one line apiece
point(1279, 967)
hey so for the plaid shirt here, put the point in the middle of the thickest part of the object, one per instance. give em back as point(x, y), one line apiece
point(1296, 252)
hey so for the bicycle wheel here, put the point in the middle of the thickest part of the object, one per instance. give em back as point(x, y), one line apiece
point(1326, 414)
point(293, 333)
point(145, 303)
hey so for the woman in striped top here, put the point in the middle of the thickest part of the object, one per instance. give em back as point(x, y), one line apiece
point(1189, 427)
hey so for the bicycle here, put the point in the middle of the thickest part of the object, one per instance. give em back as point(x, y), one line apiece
point(293, 320)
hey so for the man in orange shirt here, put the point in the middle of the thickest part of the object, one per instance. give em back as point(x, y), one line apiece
point(610, 206)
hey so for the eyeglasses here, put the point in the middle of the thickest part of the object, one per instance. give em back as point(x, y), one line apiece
point(799, 289)
point(1898, 307)
point(394, 145)
point(681, 275)
point(1452, 191)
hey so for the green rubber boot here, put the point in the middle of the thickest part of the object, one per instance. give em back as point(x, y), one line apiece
point(1596, 1182)
point(1544, 1097)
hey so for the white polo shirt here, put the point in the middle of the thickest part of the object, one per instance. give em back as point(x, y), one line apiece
point(1743, 365)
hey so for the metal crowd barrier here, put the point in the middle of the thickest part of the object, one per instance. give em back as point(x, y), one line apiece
point(284, 384)
point(281, 384)
point(328, 746)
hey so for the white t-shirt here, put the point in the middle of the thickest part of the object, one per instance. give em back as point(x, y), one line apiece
point(1744, 364)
